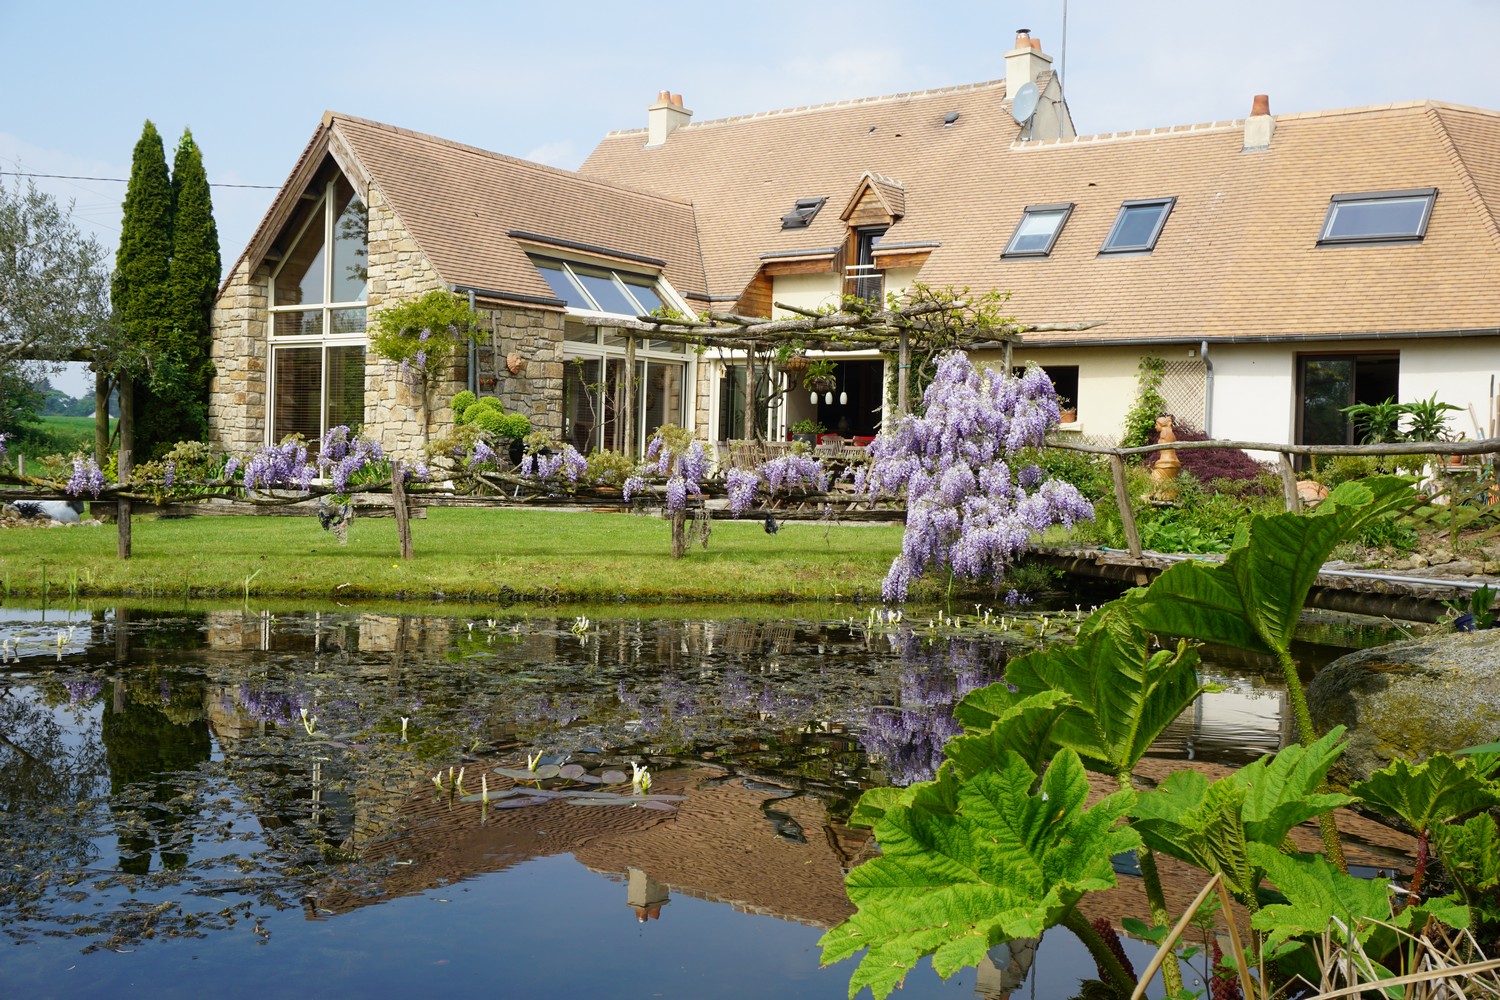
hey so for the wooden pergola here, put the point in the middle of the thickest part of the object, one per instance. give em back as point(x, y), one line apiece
point(929, 322)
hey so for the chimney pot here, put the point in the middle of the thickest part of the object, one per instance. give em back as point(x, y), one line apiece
point(1023, 38)
point(677, 100)
point(663, 97)
point(665, 117)
point(1260, 127)
point(1036, 43)
point(1261, 105)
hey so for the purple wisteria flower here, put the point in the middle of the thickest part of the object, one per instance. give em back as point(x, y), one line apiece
point(574, 464)
point(965, 510)
point(741, 484)
point(230, 467)
point(633, 486)
point(86, 477)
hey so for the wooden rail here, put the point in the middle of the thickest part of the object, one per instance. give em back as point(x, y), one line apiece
point(1482, 496)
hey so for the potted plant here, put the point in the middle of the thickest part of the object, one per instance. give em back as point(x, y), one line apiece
point(807, 430)
point(1067, 410)
point(819, 376)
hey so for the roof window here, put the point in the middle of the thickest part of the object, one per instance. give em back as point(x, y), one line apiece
point(599, 289)
point(1038, 230)
point(1378, 217)
point(1138, 225)
point(802, 213)
point(949, 119)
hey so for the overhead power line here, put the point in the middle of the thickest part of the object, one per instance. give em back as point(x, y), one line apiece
point(123, 180)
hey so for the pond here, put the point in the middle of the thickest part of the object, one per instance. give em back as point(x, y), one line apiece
point(354, 802)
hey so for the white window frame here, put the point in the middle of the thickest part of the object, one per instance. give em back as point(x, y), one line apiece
point(323, 338)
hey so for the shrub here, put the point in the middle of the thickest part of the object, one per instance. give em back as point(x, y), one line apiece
point(462, 401)
point(1344, 468)
point(1209, 464)
point(1090, 473)
point(1140, 421)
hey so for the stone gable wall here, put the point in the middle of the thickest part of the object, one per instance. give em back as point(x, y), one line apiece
point(240, 349)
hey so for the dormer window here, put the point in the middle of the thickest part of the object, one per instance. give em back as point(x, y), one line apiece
point(802, 213)
point(600, 289)
point(1038, 230)
point(1378, 217)
point(1138, 225)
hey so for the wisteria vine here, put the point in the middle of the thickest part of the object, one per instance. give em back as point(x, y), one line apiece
point(967, 509)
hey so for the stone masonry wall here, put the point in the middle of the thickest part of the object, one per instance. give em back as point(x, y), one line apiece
point(535, 388)
point(240, 347)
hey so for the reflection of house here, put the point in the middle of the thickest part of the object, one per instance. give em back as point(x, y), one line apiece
point(1282, 267)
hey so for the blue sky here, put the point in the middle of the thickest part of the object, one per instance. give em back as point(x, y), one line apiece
point(547, 80)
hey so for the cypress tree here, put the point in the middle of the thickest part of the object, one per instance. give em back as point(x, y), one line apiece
point(138, 290)
point(194, 279)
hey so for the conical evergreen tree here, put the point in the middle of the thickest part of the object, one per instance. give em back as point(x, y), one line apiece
point(138, 290)
point(194, 279)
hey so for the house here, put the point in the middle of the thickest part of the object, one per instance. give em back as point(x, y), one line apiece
point(1283, 267)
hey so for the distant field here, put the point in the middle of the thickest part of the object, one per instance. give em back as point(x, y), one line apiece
point(55, 435)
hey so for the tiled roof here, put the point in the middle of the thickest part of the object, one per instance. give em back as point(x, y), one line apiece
point(1238, 256)
point(460, 203)
point(742, 174)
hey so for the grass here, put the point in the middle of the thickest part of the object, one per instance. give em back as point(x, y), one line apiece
point(461, 555)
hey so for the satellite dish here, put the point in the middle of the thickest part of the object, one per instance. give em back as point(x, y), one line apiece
point(1023, 105)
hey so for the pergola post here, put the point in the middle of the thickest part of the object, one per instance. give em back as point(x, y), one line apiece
point(127, 446)
point(629, 421)
point(903, 374)
point(751, 424)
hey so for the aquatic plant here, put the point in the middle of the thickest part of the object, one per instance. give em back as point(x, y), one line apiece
point(999, 845)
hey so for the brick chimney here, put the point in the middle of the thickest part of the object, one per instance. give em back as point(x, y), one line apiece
point(1025, 62)
point(664, 117)
point(1260, 126)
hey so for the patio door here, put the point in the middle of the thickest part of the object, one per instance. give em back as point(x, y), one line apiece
point(1326, 383)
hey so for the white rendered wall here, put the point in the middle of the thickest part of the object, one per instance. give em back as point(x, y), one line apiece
point(1106, 381)
point(1461, 371)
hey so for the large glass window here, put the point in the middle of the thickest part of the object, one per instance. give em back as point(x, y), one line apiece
point(1381, 217)
point(1328, 383)
point(1038, 230)
point(318, 317)
point(1138, 225)
point(594, 392)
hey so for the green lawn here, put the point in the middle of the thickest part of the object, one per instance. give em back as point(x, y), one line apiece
point(461, 555)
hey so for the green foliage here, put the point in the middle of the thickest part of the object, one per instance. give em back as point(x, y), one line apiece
point(140, 289)
point(1339, 469)
point(1316, 892)
point(1123, 694)
point(462, 401)
point(1428, 419)
point(808, 425)
point(1140, 419)
point(968, 864)
point(1426, 794)
point(609, 468)
point(489, 416)
point(1377, 423)
point(424, 334)
point(180, 407)
point(1254, 598)
point(1090, 473)
point(54, 299)
point(1470, 853)
point(1211, 825)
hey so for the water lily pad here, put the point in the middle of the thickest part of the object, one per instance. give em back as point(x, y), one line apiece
point(573, 772)
point(519, 802)
point(545, 771)
point(613, 777)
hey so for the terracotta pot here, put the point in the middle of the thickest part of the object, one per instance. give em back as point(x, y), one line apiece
point(1068, 416)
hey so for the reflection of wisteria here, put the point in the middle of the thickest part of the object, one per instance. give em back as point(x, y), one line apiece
point(83, 689)
point(264, 704)
point(934, 677)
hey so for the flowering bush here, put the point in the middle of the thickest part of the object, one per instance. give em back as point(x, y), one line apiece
point(967, 510)
point(87, 477)
point(343, 457)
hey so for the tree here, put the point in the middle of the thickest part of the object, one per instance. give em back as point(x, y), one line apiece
point(192, 281)
point(424, 336)
point(54, 299)
point(140, 287)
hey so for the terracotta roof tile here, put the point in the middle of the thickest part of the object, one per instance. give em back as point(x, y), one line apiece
point(1238, 255)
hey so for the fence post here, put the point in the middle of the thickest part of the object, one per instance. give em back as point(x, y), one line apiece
point(1122, 497)
point(1289, 485)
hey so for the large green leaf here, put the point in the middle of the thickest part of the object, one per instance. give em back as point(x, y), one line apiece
point(1212, 825)
point(1470, 853)
point(1426, 794)
point(1022, 724)
point(1252, 600)
point(1282, 790)
point(1123, 693)
point(971, 861)
point(1319, 897)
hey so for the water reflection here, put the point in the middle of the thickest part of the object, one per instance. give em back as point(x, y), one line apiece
point(196, 775)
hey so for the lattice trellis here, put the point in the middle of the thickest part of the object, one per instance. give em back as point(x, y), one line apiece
point(1184, 386)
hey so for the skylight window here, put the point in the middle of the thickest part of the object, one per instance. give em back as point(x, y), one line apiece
point(949, 119)
point(1138, 225)
point(1038, 230)
point(598, 289)
point(1378, 217)
point(801, 215)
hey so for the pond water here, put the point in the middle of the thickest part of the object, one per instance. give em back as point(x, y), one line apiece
point(357, 803)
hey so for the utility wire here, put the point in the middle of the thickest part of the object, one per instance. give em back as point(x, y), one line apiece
point(124, 180)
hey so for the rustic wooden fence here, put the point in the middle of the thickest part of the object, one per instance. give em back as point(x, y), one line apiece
point(1456, 496)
